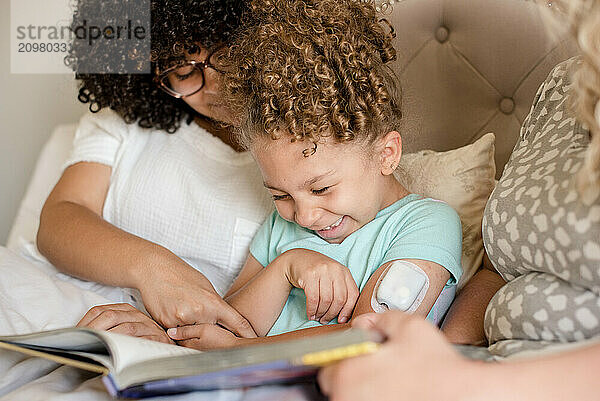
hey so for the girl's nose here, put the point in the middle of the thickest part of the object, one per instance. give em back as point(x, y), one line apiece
point(306, 215)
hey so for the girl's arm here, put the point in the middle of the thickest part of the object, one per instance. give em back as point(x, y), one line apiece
point(438, 276)
point(210, 337)
point(78, 241)
point(464, 321)
point(260, 294)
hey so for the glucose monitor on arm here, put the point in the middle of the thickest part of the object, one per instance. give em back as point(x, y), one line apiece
point(402, 286)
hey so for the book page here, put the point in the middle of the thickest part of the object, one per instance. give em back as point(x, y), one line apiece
point(66, 358)
point(71, 339)
point(114, 351)
point(127, 350)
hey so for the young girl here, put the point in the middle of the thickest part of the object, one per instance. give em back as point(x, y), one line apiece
point(319, 113)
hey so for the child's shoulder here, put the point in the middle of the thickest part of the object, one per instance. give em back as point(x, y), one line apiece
point(418, 209)
point(418, 204)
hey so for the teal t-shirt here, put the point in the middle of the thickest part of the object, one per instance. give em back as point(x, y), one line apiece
point(412, 228)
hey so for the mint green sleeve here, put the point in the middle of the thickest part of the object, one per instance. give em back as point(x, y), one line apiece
point(261, 243)
point(431, 231)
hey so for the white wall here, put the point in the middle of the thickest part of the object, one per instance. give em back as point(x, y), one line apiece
point(30, 106)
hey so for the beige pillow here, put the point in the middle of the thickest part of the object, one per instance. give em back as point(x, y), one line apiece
point(464, 178)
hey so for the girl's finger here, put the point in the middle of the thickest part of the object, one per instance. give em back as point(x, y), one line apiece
point(187, 332)
point(325, 296)
point(311, 290)
point(229, 318)
point(339, 299)
point(352, 295)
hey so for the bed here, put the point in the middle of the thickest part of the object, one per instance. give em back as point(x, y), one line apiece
point(467, 67)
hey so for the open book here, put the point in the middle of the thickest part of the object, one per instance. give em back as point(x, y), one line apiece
point(135, 368)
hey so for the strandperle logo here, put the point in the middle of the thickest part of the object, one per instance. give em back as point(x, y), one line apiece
point(82, 32)
point(45, 39)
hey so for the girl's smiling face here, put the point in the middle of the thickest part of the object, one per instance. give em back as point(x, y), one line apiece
point(336, 190)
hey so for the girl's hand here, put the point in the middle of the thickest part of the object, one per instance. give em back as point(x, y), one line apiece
point(124, 319)
point(329, 287)
point(415, 363)
point(176, 294)
point(204, 337)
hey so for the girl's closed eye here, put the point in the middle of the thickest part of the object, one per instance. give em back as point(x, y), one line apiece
point(279, 197)
point(320, 191)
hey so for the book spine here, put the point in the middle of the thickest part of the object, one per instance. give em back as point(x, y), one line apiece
point(110, 385)
point(322, 358)
point(276, 372)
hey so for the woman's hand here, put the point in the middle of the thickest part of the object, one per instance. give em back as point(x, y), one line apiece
point(176, 294)
point(205, 337)
point(415, 363)
point(329, 287)
point(124, 319)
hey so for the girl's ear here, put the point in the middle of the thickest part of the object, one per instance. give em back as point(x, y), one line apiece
point(391, 152)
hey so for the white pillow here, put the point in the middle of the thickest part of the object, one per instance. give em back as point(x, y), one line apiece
point(46, 174)
point(464, 178)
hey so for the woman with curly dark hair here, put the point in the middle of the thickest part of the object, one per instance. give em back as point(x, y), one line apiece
point(318, 109)
point(156, 195)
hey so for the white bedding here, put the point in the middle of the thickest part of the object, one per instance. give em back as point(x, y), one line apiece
point(33, 297)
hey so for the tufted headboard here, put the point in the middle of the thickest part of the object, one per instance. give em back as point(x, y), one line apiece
point(468, 67)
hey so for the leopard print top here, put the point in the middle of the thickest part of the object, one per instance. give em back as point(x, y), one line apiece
point(539, 236)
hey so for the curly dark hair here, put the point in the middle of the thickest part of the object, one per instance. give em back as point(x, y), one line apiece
point(177, 27)
point(311, 69)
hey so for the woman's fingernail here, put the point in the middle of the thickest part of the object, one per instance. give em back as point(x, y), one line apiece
point(342, 319)
point(313, 317)
point(172, 332)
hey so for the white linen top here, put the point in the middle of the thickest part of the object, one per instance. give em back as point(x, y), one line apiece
point(187, 191)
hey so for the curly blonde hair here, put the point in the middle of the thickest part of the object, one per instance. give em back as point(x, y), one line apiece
point(584, 20)
point(313, 69)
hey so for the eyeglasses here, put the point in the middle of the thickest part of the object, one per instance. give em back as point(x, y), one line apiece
point(186, 79)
